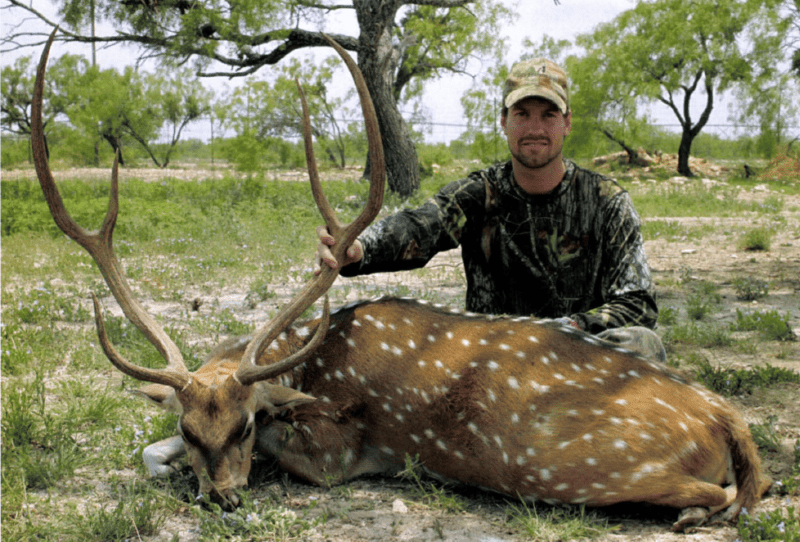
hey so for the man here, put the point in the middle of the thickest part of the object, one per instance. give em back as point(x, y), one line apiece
point(539, 235)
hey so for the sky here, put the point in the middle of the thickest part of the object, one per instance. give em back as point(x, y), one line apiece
point(442, 97)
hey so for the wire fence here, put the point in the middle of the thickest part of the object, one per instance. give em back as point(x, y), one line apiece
point(444, 132)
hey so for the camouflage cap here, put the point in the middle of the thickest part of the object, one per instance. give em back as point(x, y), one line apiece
point(537, 78)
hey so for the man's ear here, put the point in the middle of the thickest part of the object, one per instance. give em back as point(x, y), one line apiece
point(568, 122)
point(163, 396)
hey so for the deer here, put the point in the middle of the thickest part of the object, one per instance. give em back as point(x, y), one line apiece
point(514, 405)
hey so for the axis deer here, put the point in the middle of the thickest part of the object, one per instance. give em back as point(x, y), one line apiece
point(513, 405)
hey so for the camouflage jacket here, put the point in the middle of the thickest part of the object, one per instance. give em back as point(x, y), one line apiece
point(576, 251)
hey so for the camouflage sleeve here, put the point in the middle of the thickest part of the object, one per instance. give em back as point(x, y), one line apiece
point(627, 288)
point(410, 238)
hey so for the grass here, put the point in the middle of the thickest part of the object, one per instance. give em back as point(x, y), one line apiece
point(781, 524)
point(555, 523)
point(69, 425)
point(428, 492)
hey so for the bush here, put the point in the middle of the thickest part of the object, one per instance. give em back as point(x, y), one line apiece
point(769, 323)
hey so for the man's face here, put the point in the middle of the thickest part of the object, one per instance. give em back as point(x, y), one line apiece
point(535, 129)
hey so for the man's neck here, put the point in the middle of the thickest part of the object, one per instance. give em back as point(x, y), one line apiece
point(539, 180)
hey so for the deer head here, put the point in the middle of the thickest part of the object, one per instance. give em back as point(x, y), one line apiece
point(217, 405)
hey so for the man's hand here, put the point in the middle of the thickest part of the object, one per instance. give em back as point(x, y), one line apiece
point(324, 255)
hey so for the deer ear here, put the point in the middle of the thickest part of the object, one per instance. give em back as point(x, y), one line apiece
point(276, 399)
point(163, 396)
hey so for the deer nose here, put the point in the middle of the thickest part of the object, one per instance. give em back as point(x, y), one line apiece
point(227, 500)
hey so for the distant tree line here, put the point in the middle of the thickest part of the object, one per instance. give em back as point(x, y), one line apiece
point(679, 54)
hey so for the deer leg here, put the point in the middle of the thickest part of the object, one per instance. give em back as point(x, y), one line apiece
point(322, 451)
point(158, 456)
point(695, 516)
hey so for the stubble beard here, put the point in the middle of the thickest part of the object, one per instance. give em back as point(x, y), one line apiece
point(536, 161)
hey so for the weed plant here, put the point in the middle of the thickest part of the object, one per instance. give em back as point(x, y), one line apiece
point(756, 239)
point(770, 324)
point(557, 523)
point(428, 492)
point(779, 525)
point(765, 434)
point(750, 288)
point(253, 521)
point(727, 381)
point(703, 335)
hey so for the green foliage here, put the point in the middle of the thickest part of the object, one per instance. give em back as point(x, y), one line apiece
point(790, 485)
point(681, 202)
point(252, 521)
point(558, 524)
point(702, 300)
point(41, 306)
point(782, 524)
point(665, 51)
point(260, 291)
point(667, 316)
point(139, 511)
point(727, 381)
point(14, 151)
point(430, 493)
point(756, 239)
point(693, 334)
point(769, 323)
point(750, 288)
point(430, 156)
point(765, 434)
point(37, 443)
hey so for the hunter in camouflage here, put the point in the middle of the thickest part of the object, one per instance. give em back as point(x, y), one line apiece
point(539, 235)
point(575, 252)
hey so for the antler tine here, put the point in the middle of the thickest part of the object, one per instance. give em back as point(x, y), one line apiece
point(248, 371)
point(100, 246)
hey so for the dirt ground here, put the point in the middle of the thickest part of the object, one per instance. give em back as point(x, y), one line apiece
point(377, 509)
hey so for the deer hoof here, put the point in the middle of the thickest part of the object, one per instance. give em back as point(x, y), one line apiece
point(689, 518)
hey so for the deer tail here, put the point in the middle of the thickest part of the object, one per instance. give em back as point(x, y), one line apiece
point(751, 483)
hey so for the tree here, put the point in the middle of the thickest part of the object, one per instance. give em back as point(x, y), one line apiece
point(672, 52)
point(106, 104)
point(17, 93)
point(603, 101)
point(769, 99)
point(181, 99)
point(267, 110)
point(791, 9)
point(399, 42)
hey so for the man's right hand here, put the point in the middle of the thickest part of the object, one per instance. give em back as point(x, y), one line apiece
point(324, 255)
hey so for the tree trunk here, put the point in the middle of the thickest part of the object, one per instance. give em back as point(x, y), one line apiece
point(376, 59)
point(114, 142)
point(684, 151)
point(633, 155)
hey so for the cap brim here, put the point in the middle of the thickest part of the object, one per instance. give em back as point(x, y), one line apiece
point(536, 92)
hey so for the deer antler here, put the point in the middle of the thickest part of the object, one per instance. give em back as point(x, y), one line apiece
point(100, 247)
point(248, 371)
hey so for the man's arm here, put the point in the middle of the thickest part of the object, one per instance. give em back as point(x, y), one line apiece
point(626, 284)
point(410, 238)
